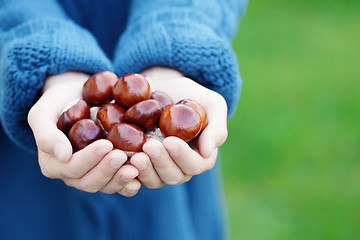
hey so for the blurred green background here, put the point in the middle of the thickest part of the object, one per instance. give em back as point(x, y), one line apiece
point(292, 159)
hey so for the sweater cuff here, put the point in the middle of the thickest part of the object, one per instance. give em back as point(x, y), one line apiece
point(176, 41)
point(31, 52)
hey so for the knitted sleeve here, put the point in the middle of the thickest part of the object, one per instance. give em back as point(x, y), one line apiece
point(191, 36)
point(36, 40)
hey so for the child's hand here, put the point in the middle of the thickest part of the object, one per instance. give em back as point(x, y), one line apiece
point(95, 168)
point(173, 161)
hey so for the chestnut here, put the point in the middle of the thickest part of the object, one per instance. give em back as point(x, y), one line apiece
point(144, 114)
point(67, 119)
point(131, 89)
point(164, 99)
point(84, 132)
point(180, 120)
point(127, 137)
point(97, 89)
point(197, 107)
point(110, 114)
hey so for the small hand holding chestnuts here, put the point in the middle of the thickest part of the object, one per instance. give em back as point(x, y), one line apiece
point(128, 113)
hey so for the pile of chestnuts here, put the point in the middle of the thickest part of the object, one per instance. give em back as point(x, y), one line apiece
point(128, 111)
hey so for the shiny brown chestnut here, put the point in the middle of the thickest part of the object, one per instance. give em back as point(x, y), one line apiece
point(127, 137)
point(84, 132)
point(181, 121)
point(110, 114)
point(144, 114)
point(67, 119)
point(97, 89)
point(131, 89)
point(197, 107)
point(164, 99)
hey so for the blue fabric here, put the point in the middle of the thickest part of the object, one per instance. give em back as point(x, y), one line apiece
point(34, 207)
point(44, 37)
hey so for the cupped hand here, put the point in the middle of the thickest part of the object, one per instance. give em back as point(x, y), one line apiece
point(98, 167)
point(174, 161)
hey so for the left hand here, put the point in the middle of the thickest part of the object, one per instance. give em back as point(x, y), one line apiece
point(174, 161)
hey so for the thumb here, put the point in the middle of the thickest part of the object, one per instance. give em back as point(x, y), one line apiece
point(42, 119)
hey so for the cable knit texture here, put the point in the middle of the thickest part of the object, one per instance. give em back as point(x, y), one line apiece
point(188, 36)
point(32, 49)
point(41, 37)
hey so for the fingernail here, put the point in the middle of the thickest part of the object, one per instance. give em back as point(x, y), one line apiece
point(59, 152)
point(116, 163)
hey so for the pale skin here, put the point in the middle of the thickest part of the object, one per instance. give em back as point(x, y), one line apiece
point(100, 167)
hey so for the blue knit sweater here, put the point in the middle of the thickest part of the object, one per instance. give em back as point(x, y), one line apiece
point(38, 38)
point(44, 37)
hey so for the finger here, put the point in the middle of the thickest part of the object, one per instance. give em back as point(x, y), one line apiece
point(190, 162)
point(147, 174)
point(131, 188)
point(165, 167)
point(215, 133)
point(124, 175)
point(44, 114)
point(49, 138)
point(87, 158)
point(101, 174)
point(213, 136)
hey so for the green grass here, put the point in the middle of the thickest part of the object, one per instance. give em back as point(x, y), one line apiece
point(292, 160)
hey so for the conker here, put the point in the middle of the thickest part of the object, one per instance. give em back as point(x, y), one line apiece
point(125, 109)
point(180, 120)
point(164, 99)
point(198, 108)
point(144, 114)
point(127, 137)
point(67, 119)
point(85, 132)
point(97, 89)
point(110, 114)
point(131, 89)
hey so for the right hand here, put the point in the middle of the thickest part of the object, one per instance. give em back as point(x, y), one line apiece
point(98, 167)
